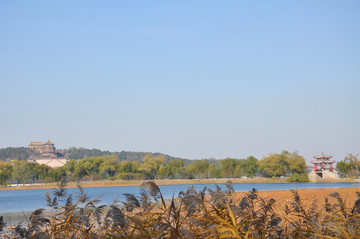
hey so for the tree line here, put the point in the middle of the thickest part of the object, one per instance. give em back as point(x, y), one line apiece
point(155, 166)
point(158, 166)
point(15, 153)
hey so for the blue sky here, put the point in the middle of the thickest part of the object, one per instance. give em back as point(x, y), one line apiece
point(193, 79)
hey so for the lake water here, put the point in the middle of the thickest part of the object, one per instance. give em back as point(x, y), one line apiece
point(14, 201)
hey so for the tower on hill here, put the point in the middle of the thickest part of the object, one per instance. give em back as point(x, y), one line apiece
point(47, 154)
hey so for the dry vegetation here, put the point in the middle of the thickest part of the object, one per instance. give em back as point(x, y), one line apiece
point(324, 213)
point(308, 197)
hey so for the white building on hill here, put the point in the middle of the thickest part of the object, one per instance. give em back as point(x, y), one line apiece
point(47, 154)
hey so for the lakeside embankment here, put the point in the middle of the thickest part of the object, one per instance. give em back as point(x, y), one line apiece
point(119, 183)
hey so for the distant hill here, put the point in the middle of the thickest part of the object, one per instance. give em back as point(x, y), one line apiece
point(79, 153)
point(15, 153)
point(22, 153)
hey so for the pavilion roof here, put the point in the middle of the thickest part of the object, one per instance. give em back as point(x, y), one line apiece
point(322, 156)
point(49, 142)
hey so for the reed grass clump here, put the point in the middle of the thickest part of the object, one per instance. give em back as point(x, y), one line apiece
point(192, 214)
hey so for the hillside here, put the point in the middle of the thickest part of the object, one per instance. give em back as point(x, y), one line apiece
point(22, 153)
point(15, 153)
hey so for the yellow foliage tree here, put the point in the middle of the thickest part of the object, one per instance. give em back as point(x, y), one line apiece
point(152, 164)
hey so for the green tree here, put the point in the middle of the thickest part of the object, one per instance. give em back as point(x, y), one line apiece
point(282, 164)
point(152, 164)
point(250, 166)
point(343, 167)
point(88, 167)
point(246, 167)
point(109, 167)
point(296, 163)
point(353, 160)
point(128, 167)
point(5, 172)
point(173, 169)
point(214, 172)
point(57, 174)
point(227, 167)
point(198, 169)
point(350, 166)
point(70, 166)
point(273, 165)
point(30, 169)
point(42, 171)
point(20, 172)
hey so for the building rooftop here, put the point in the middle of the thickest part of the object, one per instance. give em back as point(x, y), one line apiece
point(49, 142)
point(323, 156)
point(36, 143)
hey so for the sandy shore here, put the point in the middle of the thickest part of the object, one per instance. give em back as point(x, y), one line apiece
point(119, 183)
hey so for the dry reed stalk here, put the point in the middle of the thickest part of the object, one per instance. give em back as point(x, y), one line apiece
point(199, 214)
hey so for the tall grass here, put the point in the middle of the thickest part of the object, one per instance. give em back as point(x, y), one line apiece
point(192, 214)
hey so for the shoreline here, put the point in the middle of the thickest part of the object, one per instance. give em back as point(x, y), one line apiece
point(122, 183)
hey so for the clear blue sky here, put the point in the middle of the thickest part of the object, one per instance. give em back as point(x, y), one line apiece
point(193, 79)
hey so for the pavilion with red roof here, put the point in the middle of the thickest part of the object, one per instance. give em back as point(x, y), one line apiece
point(322, 163)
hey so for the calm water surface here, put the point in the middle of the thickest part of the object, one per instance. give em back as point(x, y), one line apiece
point(12, 201)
